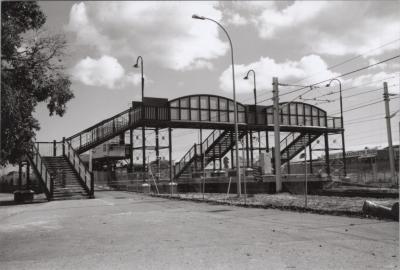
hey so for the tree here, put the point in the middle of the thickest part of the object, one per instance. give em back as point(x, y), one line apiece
point(31, 72)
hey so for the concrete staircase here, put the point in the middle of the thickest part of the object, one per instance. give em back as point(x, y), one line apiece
point(66, 181)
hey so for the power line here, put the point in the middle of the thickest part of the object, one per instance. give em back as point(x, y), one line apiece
point(351, 59)
point(362, 106)
point(339, 76)
point(367, 116)
point(363, 121)
point(355, 87)
point(354, 95)
point(359, 107)
point(332, 92)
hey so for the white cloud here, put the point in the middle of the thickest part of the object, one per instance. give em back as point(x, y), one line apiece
point(333, 28)
point(87, 33)
point(266, 68)
point(163, 32)
point(375, 80)
point(272, 20)
point(105, 71)
point(236, 19)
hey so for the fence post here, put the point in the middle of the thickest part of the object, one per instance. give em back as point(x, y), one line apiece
point(54, 148)
point(91, 185)
point(63, 146)
point(51, 186)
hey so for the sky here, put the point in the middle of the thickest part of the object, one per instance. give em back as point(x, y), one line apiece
point(299, 42)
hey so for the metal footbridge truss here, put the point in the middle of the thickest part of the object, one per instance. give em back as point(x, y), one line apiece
point(304, 123)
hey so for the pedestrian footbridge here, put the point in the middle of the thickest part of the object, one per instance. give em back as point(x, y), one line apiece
point(303, 123)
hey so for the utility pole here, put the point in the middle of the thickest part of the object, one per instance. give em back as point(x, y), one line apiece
point(305, 175)
point(275, 92)
point(389, 132)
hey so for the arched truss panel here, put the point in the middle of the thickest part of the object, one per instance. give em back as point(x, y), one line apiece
point(206, 108)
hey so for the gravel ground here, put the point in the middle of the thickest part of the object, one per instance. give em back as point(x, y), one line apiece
point(319, 204)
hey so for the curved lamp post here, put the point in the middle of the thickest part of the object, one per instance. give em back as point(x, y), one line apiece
point(341, 119)
point(141, 68)
point(255, 110)
point(254, 83)
point(194, 16)
point(143, 128)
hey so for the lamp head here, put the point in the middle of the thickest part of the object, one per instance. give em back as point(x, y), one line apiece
point(246, 78)
point(195, 16)
point(136, 65)
point(329, 84)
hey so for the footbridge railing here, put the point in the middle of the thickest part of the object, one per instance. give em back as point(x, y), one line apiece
point(105, 130)
point(85, 175)
point(64, 148)
point(41, 171)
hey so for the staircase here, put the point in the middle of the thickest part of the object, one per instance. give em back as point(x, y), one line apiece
point(105, 130)
point(294, 143)
point(66, 182)
point(215, 146)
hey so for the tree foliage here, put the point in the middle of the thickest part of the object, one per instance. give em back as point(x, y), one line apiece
point(31, 72)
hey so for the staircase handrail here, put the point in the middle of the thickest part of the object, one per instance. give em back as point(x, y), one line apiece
point(213, 135)
point(105, 128)
point(42, 171)
point(193, 151)
point(185, 159)
point(285, 141)
point(80, 167)
point(97, 125)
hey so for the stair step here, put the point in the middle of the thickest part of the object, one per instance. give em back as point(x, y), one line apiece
point(71, 198)
point(68, 185)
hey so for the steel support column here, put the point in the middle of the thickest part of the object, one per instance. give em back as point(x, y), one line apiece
point(310, 154)
point(327, 161)
point(144, 153)
point(170, 154)
point(232, 163)
point(130, 151)
point(247, 149)
point(252, 149)
point(201, 149)
point(157, 153)
point(220, 157)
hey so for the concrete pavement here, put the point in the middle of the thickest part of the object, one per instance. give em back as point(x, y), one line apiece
point(120, 230)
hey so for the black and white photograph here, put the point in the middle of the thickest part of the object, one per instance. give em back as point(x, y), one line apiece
point(185, 135)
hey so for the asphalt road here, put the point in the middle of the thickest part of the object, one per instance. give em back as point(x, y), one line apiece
point(119, 230)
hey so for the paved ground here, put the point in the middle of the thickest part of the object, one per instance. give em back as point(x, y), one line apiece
point(119, 230)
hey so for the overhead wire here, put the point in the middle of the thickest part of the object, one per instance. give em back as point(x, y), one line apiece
point(351, 59)
point(363, 105)
point(336, 77)
point(342, 63)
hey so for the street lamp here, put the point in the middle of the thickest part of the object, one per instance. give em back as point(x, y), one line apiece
point(194, 16)
point(254, 83)
point(141, 66)
point(143, 128)
point(255, 110)
point(341, 119)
